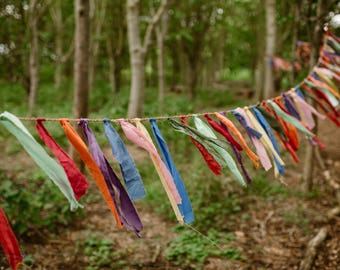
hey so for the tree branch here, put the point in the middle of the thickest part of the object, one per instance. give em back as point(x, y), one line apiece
point(152, 23)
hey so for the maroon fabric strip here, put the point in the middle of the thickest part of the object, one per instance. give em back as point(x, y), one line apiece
point(9, 242)
point(213, 165)
point(77, 179)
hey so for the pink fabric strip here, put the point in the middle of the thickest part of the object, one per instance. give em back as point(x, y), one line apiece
point(137, 137)
point(261, 151)
point(307, 110)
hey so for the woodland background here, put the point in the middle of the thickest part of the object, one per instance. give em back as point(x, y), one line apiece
point(102, 58)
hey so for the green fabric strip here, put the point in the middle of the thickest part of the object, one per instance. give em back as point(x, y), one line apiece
point(334, 101)
point(206, 130)
point(289, 118)
point(39, 155)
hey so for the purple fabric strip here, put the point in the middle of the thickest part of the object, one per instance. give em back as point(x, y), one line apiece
point(290, 106)
point(127, 212)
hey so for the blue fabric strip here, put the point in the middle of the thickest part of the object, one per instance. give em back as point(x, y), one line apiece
point(132, 179)
point(260, 118)
point(185, 208)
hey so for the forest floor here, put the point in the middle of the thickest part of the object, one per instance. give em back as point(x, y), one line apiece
point(273, 234)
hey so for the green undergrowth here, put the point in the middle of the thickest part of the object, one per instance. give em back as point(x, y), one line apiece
point(190, 249)
point(34, 205)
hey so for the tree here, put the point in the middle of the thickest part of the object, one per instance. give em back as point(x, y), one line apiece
point(138, 51)
point(33, 56)
point(61, 57)
point(97, 17)
point(81, 58)
point(161, 31)
point(115, 41)
point(316, 40)
point(270, 48)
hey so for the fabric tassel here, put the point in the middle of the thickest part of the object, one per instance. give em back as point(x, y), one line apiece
point(125, 208)
point(76, 178)
point(185, 207)
point(254, 137)
point(223, 130)
point(210, 160)
point(84, 154)
point(204, 129)
point(131, 176)
point(54, 171)
point(9, 242)
point(139, 136)
point(225, 121)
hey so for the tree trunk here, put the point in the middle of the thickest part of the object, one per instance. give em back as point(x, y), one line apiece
point(81, 65)
point(316, 43)
point(97, 20)
point(136, 60)
point(219, 56)
point(270, 48)
point(138, 53)
point(161, 31)
point(192, 77)
point(33, 57)
point(112, 66)
point(58, 22)
point(297, 18)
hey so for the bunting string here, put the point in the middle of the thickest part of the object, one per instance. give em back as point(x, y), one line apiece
point(285, 114)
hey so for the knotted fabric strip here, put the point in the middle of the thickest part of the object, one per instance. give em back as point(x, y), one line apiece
point(77, 179)
point(208, 143)
point(131, 176)
point(290, 119)
point(54, 171)
point(9, 242)
point(223, 130)
point(307, 111)
point(230, 125)
point(141, 137)
point(125, 208)
point(254, 137)
point(84, 154)
point(204, 129)
point(185, 207)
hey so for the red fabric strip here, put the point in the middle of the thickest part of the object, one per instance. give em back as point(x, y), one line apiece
point(223, 132)
point(9, 243)
point(77, 179)
point(214, 166)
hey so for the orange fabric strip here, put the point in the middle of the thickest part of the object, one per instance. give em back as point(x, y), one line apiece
point(236, 132)
point(84, 154)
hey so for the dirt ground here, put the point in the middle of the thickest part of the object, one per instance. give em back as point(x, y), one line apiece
point(275, 235)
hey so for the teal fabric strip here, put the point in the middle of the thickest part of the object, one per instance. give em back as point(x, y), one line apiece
point(206, 130)
point(289, 118)
point(196, 135)
point(55, 172)
point(334, 101)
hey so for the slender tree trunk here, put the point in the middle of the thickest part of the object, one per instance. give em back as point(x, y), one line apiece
point(192, 77)
point(270, 48)
point(112, 66)
point(81, 65)
point(138, 53)
point(136, 60)
point(98, 18)
point(259, 70)
point(297, 18)
point(219, 56)
point(58, 21)
point(33, 57)
point(316, 42)
point(161, 31)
